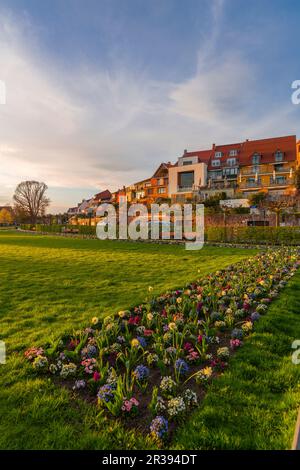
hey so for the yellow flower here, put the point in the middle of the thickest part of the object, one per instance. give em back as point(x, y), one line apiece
point(223, 292)
point(135, 343)
point(150, 288)
point(149, 316)
point(179, 300)
point(187, 292)
point(95, 320)
point(247, 326)
point(172, 326)
point(207, 371)
point(122, 313)
point(199, 297)
point(262, 282)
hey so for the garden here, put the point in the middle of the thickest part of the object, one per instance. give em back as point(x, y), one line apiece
point(154, 366)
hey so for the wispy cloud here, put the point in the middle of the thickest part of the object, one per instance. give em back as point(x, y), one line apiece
point(98, 128)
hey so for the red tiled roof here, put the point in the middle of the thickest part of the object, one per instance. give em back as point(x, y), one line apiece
point(267, 148)
point(245, 150)
point(103, 195)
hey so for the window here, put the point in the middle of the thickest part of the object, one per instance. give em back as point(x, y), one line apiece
point(278, 156)
point(147, 185)
point(215, 162)
point(215, 174)
point(231, 161)
point(150, 191)
point(233, 153)
point(230, 171)
point(186, 179)
point(161, 190)
point(279, 167)
point(187, 162)
point(255, 169)
point(256, 159)
point(280, 180)
point(218, 154)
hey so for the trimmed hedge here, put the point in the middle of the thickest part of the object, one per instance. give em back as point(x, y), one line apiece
point(253, 235)
point(81, 229)
point(229, 234)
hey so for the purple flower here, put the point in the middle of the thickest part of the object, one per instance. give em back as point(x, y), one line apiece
point(255, 316)
point(181, 367)
point(159, 427)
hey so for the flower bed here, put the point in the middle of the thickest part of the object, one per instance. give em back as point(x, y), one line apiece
point(151, 365)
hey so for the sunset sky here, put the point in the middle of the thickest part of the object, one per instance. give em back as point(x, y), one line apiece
point(98, 93)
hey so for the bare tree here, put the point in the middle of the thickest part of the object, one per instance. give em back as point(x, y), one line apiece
point(30, 198)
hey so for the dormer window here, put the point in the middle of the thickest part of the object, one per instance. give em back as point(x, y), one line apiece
point(233, 153)
point(231, 161)
point(218, 154)
point(278, 156)
point(256, 159)
point(215, 162)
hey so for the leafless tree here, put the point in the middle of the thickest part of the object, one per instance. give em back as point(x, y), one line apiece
point(30, 198)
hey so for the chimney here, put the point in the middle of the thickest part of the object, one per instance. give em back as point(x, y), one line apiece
point(185, 152)
point(213, 146)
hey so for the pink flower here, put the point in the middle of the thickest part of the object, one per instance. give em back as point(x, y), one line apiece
point(199, 339)
point(187, 346)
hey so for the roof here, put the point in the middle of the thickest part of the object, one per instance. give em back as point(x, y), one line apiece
point(245, 151)
point(267, 148)
point(103, 195)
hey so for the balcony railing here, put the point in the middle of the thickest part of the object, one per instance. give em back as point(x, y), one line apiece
point(185, 189)
point(271, 184)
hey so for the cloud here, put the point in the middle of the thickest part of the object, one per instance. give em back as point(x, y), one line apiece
point(89, 127)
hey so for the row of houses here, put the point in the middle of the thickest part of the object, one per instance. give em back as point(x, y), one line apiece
point(237, 169)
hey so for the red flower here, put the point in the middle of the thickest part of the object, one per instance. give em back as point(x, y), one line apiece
point(96, 376)
point(187, 346)
point(199, 339)
point(134, 320)
point(148, 332)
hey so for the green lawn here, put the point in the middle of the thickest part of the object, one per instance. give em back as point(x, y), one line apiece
point(254, 405)
point(51, 284)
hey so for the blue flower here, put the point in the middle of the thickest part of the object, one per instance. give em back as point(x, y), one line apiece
point(106, 393)
point(181, 367)
point(159, 426)
point(237, 333)
point(141, 372)
point(142, 341)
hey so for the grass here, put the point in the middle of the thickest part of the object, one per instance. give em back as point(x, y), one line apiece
point(49, 285)
point(254, 404)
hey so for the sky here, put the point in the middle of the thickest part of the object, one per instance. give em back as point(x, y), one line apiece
point(100, 92)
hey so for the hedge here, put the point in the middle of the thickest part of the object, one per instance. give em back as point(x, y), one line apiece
point(229, 234)
point(253, 235)
point(82, 229)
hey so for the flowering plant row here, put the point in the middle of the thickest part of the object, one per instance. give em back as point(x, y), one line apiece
point(152, 363)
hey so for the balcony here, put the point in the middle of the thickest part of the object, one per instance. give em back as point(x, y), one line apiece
point(272, 184)
point(185, 189)
point(266, 170)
